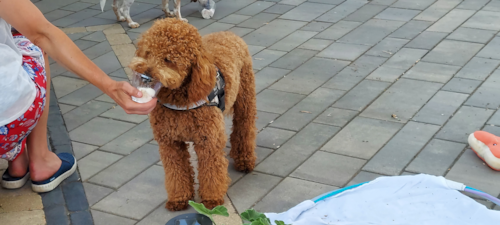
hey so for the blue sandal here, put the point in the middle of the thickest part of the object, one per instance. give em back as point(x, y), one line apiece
point(10, 182)
point(68, 167)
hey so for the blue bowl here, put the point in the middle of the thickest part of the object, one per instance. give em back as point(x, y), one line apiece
point(190, 219)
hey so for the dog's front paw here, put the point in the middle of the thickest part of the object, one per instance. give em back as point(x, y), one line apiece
point(133, 25)
point(177, 205)
point(122, 19)
point(184, 19)
point(245, 166)
point(210, 204)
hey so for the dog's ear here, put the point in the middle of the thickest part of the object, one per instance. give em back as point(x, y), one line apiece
point(138, 64)
point(202, 77)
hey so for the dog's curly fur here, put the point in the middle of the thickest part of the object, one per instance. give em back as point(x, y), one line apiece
point(173, 52)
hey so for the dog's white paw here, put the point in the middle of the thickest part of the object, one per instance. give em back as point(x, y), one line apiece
point(122, 19)
point(184, 19)
point(133, 25)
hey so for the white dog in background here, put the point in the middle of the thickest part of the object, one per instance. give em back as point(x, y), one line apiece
point(122, 10)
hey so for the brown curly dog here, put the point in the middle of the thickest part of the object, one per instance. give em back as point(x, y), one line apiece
point(173, 52)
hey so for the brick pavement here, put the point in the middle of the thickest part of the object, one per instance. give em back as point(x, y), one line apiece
point(329, 74)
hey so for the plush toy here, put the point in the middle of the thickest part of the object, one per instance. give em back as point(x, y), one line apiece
point(487, 147)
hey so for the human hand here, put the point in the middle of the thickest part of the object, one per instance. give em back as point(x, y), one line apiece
point(122, 92)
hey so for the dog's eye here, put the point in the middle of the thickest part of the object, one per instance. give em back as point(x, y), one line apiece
point(167, 61)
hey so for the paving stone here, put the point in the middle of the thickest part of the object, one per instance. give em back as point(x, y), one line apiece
point(66, 85)
point(255, 49)
point(56, 214)
point(365, 13)
point(264, 118)
point(405, 58)
point(95, 162)
point(492, 6)
point(81, 96)
point(471, 35)
point(255, 8)
point(119, 73)
point(95, 193)
point(266, 57)
point(250, 189)
point(294, 59)
point(353, 74)
point(107, 62)
point(306, 110)
point(136, 9)
point(465, 121)
point(344, 51)
point(292, 2)
point(118, 113)
point(76, 36)
point(362, 137)
point(81, 150)
point(362, 177)
point(273, 137)
point(411, 29)
point(436, 158)
point(128, 167)
point(65, 108)
point(432, 72)
point(77, 6)
point(307, 11)
point(276, 101)
point(403, 99)
point(196, 22)
point(440, 108)
point(83, 44)
point(259, 20)
point(130, 140)
point(56, 14)
point(478, 68)
point(338, 30)
point(128, 203)
point(101, 218)
point(285, 159)
point(453, 52)
point(426, 40)
point(81, 217)
point(318, 71)
point(472, 4)
point(451, 21)
point(160, 215)
point(75, 196)
point(97, 36)
point(98, 50)
point(84, 113)
point(99, 131)
point(437, 10)
point(227, 7)
point(336, 117)
point(345, 168)
point(215, 27)
point(279, 9)
point(371, 32)
point(105, 98)
point(75, 17)
point(471, 171)
point(362, 95)
point(234, 19)
point(268, 76)
point(331, 2)
point(387, 47)
point(486, 94)
point(341, 11)
point(495, 119)
point(289, 193)
point(485, 20)
point(241, 31)
point(386, 74)
point(316, 26)
point(461, 85)
point(316, 44)
point(272, 32)
point(54, 197)
point(491, 50)
point(397, 14)
point(392, 159)
point(409, 4)
point(293, 40)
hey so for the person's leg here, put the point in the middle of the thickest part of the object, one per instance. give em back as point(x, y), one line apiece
point(19, 166)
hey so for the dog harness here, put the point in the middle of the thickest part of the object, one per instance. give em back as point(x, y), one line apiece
point(215, 98)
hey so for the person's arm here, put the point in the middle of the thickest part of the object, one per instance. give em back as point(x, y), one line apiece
point(25, 17)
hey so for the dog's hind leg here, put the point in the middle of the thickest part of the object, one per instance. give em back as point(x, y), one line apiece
point(177, 10)
point(212, 163)
point(165, 9)
point(179, 175)
point(126, 13)
point(244, 130)
point(117, 4)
